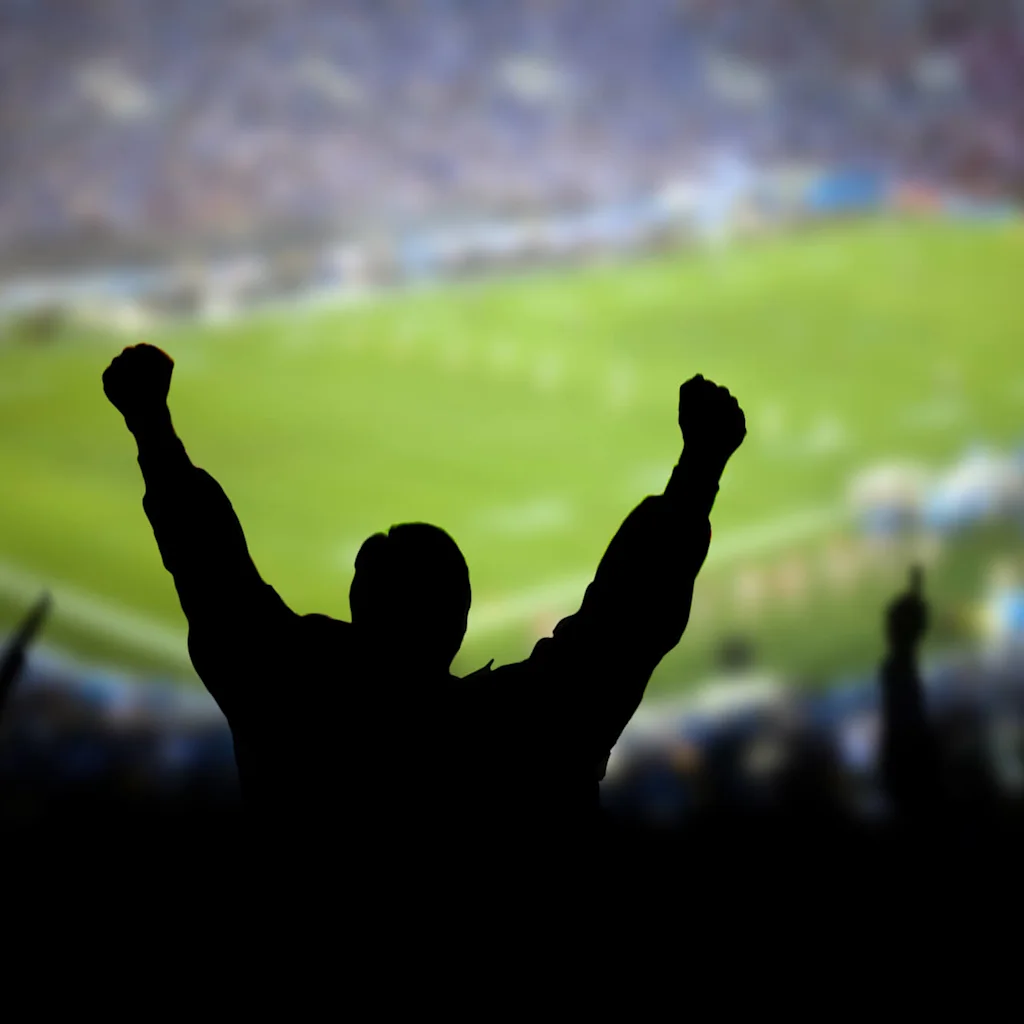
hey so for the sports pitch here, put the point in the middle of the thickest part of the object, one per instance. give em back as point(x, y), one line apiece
point(527, 416)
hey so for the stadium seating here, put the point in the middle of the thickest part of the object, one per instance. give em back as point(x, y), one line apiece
point(75, 739)
point(136, 124)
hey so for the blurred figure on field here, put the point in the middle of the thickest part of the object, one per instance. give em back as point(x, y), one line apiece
point(1003, 610)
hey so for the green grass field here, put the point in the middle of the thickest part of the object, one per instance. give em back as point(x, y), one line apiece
point(527, 417)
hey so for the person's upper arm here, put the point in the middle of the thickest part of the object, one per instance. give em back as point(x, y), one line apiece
point(204, 548)
point(598, 661)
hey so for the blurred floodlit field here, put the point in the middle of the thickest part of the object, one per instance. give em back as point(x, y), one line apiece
point(527, 416)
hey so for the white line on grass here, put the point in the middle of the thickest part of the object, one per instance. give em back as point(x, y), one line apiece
point(503, 357)
point(936, 413)
point(345, 553)
point(98, 616)
point(649, 479)
point(548, 371)
point(620, 387)
point(544, 515)
point(753, 540)
point(829, 435)
point(490, 617)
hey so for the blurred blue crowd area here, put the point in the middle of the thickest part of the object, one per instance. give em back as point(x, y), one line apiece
point(771, 747)
point(726, 200)
point(74, 738)
point(73, 735)
point(984, 485)
point(747, 740)
point(133, 118)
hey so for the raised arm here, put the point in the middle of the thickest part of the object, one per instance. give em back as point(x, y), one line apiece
point(12, 658)
point(199, 536)
point(908, 755)
point(638, 605)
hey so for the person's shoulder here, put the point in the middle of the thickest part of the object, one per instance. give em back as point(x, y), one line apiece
point(481, 673)
point(319, 626)
point(491, 688)
point(320, 621)
point(472, 686)
point(490, 676)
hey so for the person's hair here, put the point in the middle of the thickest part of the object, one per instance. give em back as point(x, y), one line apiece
point(413, 582)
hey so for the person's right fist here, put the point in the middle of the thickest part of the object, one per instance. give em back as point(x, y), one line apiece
point(138, 380)
point(711, 420)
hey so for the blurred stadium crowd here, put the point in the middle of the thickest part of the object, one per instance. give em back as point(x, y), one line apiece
point(752, 744)
point(131, 125)
point(80, 741)
point(895, 497)
point(132, 129)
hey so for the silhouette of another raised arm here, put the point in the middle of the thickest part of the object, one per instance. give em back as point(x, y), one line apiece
point(12, 658)
point(909, 757)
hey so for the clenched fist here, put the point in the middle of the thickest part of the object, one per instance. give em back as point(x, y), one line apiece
point(711, 420)
point(137, 382)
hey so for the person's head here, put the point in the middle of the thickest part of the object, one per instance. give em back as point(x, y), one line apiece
point(411, 593)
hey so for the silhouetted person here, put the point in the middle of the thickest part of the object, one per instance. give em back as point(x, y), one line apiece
point(330, 717)
point(12, 659)
point(909, 754)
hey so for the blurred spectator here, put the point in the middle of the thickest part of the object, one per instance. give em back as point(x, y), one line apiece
point(12, 657)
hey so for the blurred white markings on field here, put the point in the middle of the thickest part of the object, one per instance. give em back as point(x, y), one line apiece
point(829, 435)
point(772, 422)
point(562, 595)
point(548, 371)
point(502, 357)
point(621, 386)
point(345, 553)
point(650, 479)
point(526, 605)
point(97, 616)
point(728, 545)
point(85, 611)
point(545, 515)
point(938, 412)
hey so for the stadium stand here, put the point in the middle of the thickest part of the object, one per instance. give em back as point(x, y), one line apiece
point(135, 131)
point(128, 125)
point(751, 749)
point(82, 744)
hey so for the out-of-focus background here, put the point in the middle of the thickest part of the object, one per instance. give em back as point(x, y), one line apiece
point(449, 260)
